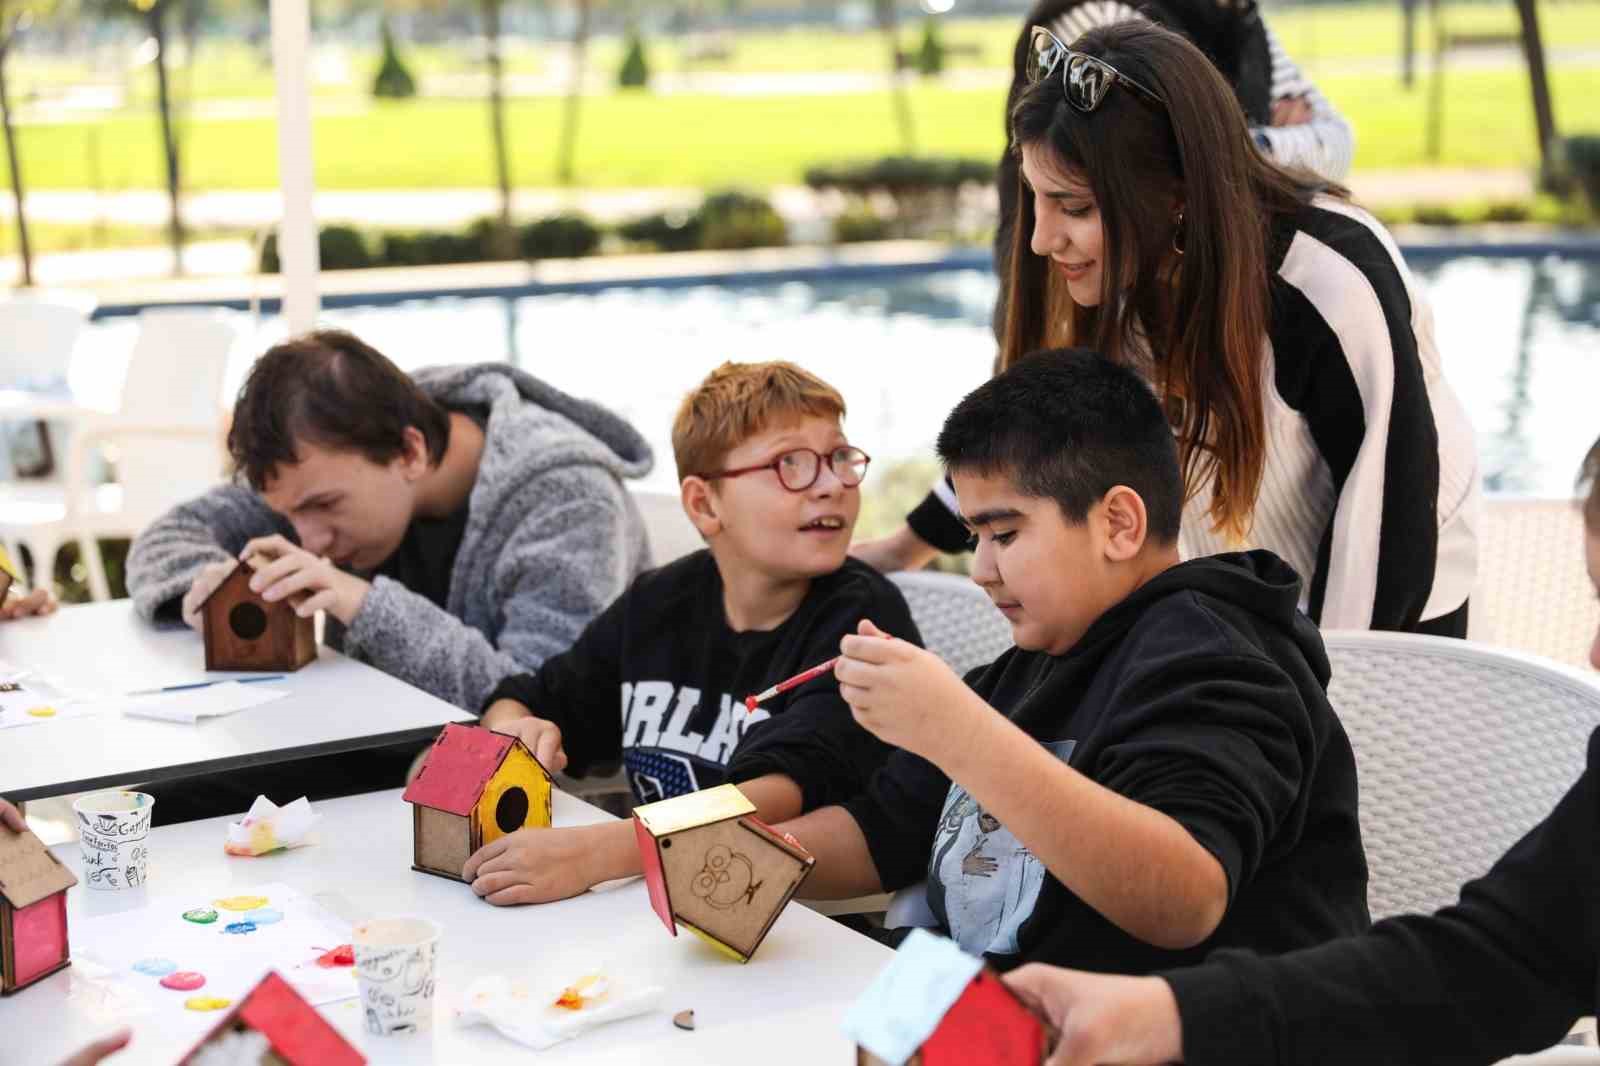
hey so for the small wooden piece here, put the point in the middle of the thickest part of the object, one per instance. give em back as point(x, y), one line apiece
point(716, 869)
point(245, 632)
point(273, 1025)
point(936, 1006)
point(684, 1020)
point(33, 911)
point(474, 786)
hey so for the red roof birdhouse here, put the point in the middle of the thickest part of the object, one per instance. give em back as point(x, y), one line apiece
point(475, 786)
point(245, 632)
point(716, 869)
point(272, 1024)
point(935, 1005)
point(33, 910)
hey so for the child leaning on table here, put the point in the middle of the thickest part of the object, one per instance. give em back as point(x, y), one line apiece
point(1507, 970)
point(771, 482)
point(1153, 771)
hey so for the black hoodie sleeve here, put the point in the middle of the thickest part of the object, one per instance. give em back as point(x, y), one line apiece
point(815, 741)
point(1506, 970)
point(577, 690)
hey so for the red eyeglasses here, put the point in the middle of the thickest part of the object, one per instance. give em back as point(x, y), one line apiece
point(799, 469)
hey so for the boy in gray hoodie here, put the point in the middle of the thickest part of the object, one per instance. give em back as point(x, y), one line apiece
point(459, 525)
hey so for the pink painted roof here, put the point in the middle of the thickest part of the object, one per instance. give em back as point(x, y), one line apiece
point(299, 1034)
point(458, 768)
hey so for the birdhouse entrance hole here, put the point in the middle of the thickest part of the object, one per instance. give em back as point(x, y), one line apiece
point(511, 811)
point(248, 621)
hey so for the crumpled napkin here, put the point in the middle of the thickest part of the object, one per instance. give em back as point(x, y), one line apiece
point(540, 1016)
point(269, 827)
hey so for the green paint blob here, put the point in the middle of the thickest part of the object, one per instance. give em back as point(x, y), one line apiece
point(200, 916)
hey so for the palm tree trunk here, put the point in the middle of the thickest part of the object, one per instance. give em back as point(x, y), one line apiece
point(1533, 47)
point(897, 89)
point(569, 120)
point(497, 118)
point(169, 136)
point(16, 166)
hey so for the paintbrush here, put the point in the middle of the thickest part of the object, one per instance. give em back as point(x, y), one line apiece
point(801, 678)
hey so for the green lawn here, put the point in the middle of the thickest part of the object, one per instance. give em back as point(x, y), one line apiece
point(639, 139)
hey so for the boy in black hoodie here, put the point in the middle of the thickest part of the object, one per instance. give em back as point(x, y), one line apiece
point(1154, 771)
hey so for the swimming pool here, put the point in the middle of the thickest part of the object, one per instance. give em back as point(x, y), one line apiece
point(1520, 337)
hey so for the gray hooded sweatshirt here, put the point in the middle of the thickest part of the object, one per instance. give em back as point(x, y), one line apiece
point(552, 537)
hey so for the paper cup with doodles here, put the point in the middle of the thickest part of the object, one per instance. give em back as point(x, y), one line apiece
point(395, 962)
point(113, 837)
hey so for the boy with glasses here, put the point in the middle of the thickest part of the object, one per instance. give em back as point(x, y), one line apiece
point(772, 485)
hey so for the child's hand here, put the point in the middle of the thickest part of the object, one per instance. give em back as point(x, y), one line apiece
point(11, 817)
point(205, 583)
point(903, 694)
point(542, 738)
point(38, 602)
point(530, 866)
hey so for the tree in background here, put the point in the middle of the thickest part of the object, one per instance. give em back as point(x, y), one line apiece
point(393, 80)
point(888, 25)
point(930, 57)
point(15, 17)
point(153, 14)
point(569, 115)
point(635, 70)
point(504, 239)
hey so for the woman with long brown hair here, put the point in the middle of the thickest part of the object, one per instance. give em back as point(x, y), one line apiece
point(1278, 320)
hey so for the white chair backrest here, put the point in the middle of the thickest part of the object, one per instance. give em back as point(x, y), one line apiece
point(958, 621)
point(37, 339)
point(672, 535)
point(175, 372)
point(1533, 594)
point(1460, 750)
point(174, 379)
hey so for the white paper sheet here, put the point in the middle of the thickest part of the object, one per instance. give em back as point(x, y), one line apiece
point(191, 705)
point(33, 702)
point(231, 962)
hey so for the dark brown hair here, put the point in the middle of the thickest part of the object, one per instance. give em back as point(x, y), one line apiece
point(330, 389)
point(1589, 488)
point(1203, 315)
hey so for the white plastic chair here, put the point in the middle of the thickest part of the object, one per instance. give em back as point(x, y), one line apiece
point(1460, 750)
point(671, 534)
point(164, 445)
point(1532, 593)
point(37, 337)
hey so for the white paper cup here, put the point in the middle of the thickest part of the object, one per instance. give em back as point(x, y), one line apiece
point(113, 828)
point(395, 959)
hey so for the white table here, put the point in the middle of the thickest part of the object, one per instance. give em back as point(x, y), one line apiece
point(335, 704)
point(784, 1006)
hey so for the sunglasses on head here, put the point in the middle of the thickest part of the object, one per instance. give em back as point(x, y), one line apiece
point(1085, 78)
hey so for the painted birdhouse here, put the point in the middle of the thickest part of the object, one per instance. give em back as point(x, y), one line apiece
point(273, 1026)
point(935, 1005)
point(716, 869)
point(8, 573)
point(475, 786)
point(245, 632)
point(33, 910)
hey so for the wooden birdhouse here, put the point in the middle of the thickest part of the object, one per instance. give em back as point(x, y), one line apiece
point(475, 786)
point(935, 1005)
point(273, 1026)
point(33, 910)
point(8, 573)
point(716, 869)
point(245, 632)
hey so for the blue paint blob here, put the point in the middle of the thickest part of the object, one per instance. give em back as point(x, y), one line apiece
point(240, 927)
point(155, 967)
point(264, 916)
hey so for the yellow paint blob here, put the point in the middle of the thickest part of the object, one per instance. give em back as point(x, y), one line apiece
point(207, 1003)
point(241, 903)
point(42, 712)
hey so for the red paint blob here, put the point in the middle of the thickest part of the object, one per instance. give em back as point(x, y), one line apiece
point(343, 955)
point(183, 981)
point(750, 705)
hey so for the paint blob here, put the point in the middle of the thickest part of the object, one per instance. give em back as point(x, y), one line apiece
point(264, 916)
point(343, 955)
point(207, 1003)
point(200, 916)
point(155, 967)
point(240, 927)
point(42, 712)
point(183, 981)
point(749, 705)
point(241, 903)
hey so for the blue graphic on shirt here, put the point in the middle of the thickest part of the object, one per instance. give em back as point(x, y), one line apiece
point(662, 755)
point(989, 882)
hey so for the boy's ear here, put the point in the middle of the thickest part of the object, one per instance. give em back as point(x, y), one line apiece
point(1124, 522)
point(414, 459)
point(701, 505)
